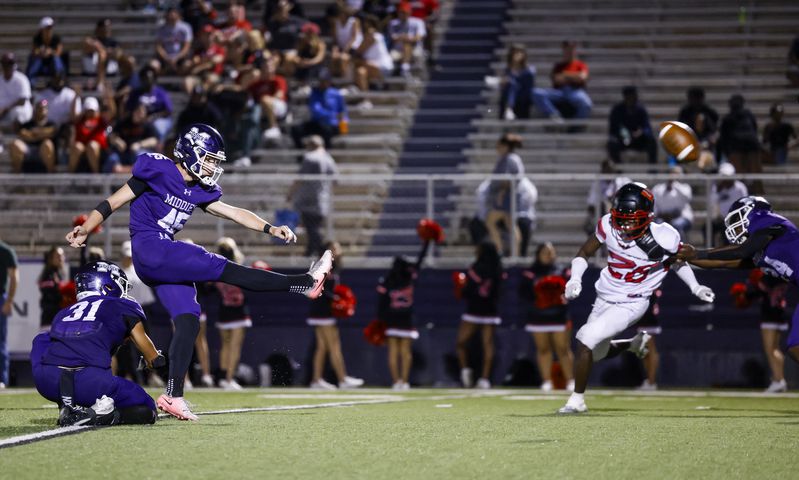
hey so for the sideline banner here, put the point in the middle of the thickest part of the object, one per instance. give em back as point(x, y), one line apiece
point(23, 324)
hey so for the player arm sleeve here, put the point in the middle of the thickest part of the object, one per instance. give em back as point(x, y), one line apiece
point(686, 274)
point(138, 186)
point(578, 268)
point(751, 246)
point(130, 322)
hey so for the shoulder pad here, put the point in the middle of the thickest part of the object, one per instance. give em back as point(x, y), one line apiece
point(666, 236)
point(133, 307)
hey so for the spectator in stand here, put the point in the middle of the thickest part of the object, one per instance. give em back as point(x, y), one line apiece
point(569, 79)
point(701, 117)
point(650, 324)
point(777, 136)
point(63, 106)
point(91, 138)
point(517, 85)
point(313, 198)
point(499, 191)
point(722, 194)
point(739, 141)
point(34, 149)
point(541, 290)
point(9, 278)
point(481, 292)
point(270, 93)
point(206, 65)
point(234, 29)
point(629, 128)
point(527, 195)
point(128, 80)
point(131, 137)
point(372, 58)
point(159, 105)
point(50, 280)
point(101, 53)
point(272, 7)
point(309, 58)
point(428, 12)
point(328, 113)
point(173, 42)
point(407, 36)
point(347, 36)
point(793, 63)
point(673, 203)
point(198, 110)
point(46, 54)
point(15, 94)
point(283, 29)
point(601, 194)
point(198, 13)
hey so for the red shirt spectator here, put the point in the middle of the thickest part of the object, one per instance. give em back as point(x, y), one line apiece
point(269, 87)
point(91, 128)
point(569, 67)
point(423, 8)
point(209, 50)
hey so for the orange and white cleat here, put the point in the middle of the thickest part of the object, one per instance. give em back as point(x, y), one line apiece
point(177, 407)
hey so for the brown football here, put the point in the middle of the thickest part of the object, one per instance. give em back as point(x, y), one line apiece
point(680, 140)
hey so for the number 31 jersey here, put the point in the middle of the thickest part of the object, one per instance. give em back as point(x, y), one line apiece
point(169, 201)
point(636, 268)
point(87, 333)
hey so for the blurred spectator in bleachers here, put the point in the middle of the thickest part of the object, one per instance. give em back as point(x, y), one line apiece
point(198, 13)
point(347, 36)
point(46, 55)
point(567, 97)
point(9, 283)
point(379, 9)
point(283, 29)
point(271, 7)
point(198, 110)
point(207, 63)
point(309, 57)
point(159, 105)
point(499, 217)
point(527, 195)
point(739, 143)
point(517, 85)
point(131, 136)
point(173, 42)
point(128, 79)
point(54, 272)
point(15, 94)
point(373, 61)
point(34, 149)
point(101, 53)
point(629, 128)
point(673, 203)
point(723, 193)
point(704, 121)
point(407, 36)
point(233, 30)
point(428, 12)
point(328, 113)
point(63, 106)
point(312, 198)
point(779, 136)
point(270, 94)
point(793, 63)
point(90, 138)
point(600, 195)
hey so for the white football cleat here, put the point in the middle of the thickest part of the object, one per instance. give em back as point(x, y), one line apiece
point(483, 384)
point(638, 345)
point(647, 387)
point(570, 408)
point(319, 271)
point(321, 384)
point(466, 377)
point(777, 387)
point(350, 382)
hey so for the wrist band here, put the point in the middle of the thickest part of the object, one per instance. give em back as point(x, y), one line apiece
point(104, 208)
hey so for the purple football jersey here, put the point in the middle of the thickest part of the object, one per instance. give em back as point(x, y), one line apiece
point(169, 202)
point(780, 258)
point(87, 333)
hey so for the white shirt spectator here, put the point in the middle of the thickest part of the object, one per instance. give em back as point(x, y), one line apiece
point(11, 90)
point(413, 27)
point(482, 199)
point(528, 197)
point(64, 106)
point(673, 199)
point(314, 195)
point(344, 33)
point(172, 38)
point(377, 55)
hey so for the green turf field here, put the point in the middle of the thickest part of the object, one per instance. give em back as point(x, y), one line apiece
point(437, 434)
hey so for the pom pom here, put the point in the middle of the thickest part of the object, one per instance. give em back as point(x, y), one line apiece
point(738, 292)
point(69, 294)
point(549, 292)
point(375, 332)
point(261, 265)
point(429, 230)
point(755, 276)
point(458, 282)
point(344, 302)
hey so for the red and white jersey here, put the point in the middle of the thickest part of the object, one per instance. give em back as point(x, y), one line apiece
point(635, 269)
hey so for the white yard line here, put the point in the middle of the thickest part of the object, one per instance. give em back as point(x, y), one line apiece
point(35, 437)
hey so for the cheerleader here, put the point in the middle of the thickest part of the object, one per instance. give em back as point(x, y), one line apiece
point(395, 308)
point(481, 293)
point(328, 341)
point(541, 291)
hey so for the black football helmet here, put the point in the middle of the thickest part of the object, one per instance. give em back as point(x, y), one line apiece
point(632, 210)
point(736, 222)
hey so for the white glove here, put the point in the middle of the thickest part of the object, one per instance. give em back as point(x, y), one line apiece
point(702, 293)
point(573, 289)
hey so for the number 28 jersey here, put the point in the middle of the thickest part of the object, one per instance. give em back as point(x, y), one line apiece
point(636, 268)
point(169, 201)
point(86, 334)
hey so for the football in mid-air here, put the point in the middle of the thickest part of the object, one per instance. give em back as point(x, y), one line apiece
point(680, 140)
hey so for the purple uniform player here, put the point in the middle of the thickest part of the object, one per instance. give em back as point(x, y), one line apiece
point(163, 194)
point(761, 238)
point(72, 362)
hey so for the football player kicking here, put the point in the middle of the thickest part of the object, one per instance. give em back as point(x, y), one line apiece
point(72, 362)
point(639, 256)
point(759, 237)
point(163, 193)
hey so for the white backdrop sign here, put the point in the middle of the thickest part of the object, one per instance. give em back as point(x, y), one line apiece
point(23, 324)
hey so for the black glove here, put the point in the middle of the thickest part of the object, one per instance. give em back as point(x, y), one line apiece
point(157, 363)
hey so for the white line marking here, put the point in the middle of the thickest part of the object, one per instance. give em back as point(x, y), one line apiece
point(35, 437)
point(325, 396)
